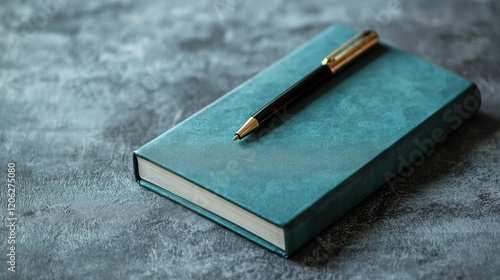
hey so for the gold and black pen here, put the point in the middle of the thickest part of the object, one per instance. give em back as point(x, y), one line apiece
point(331, 64)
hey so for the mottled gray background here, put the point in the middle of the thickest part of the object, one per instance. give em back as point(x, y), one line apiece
point(84, 83)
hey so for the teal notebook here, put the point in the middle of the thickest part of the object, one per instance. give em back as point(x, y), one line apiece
point(284, 184)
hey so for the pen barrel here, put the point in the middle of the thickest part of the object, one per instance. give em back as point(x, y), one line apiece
point(297, 90)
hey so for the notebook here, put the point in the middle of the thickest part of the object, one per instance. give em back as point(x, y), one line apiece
point(285, 183)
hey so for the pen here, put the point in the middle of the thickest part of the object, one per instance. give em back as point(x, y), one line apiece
point(331, 64)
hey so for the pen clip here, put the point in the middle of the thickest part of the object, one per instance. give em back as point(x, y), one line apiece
point(350, 50)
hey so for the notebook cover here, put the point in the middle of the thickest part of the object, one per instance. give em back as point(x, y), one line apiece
point(335, 147)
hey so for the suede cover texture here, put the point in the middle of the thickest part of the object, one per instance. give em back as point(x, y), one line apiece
point(327, 152)
point(85, 83)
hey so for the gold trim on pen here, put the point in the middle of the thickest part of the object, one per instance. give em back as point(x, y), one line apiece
point(334, 61)
point(246, 128)
point(351, 49)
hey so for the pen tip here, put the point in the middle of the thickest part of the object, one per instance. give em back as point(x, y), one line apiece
point(236, 137)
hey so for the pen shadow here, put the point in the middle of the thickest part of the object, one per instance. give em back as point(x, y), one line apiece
point(358, 234)
point(295, 107)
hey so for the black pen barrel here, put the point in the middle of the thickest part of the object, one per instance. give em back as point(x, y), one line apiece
point(302, 87)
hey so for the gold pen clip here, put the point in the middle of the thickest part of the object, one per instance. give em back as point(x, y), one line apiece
point(350, 50)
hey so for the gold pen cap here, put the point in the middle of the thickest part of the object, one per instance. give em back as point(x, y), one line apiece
point(350, 50)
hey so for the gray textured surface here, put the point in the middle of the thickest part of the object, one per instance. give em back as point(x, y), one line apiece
point(84, 84)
